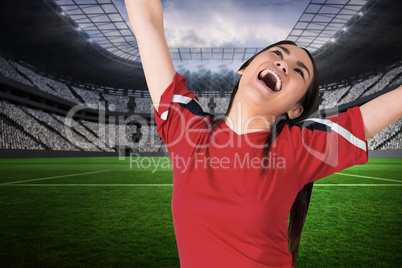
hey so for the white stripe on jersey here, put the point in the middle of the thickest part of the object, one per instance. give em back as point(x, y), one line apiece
point(182, 99)
point(178, 99)
point(164, 115)
point(341, 131)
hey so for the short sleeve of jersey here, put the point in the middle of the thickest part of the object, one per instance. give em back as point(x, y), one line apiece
point(178, 111)
point(322, 147)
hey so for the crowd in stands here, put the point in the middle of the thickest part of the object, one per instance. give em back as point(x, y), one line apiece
point(113, 135)
point(7, 70)
point(42, 130)
point(397, 81)
point(221, 105)
point(366, 87)
point(197, 81)
point(392, 144)
point(384, 81)
point(80, 128)
point(204, 102)
point(380, 138)
point(331, 98)
point(143, 105)
point(356, 90)
point(28, 128)
point(35, 129)
point(20, 73)
point(150, 140)
point(46, 84)
point(32, 127)
point(64, 130)
point(91, 98)
point(117, 103)
point(13, 138)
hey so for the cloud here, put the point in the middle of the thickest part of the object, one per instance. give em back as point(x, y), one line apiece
point(229, 23)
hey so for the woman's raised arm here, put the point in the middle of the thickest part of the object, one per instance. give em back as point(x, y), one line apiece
point(382, 111)
point(146, 19)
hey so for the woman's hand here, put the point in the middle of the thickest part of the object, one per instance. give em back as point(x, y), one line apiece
point(146, 19)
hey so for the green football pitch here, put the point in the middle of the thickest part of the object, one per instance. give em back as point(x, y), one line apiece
point(111, 212)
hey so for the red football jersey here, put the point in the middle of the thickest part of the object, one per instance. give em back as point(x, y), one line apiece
point(227, 213)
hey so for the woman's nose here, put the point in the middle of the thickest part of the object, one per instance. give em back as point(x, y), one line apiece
point(282, 66)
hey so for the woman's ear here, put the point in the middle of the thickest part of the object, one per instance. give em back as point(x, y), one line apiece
point(295, 112)
point(240, 72)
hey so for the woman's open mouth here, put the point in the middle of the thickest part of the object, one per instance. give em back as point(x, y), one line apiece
point(271, 79)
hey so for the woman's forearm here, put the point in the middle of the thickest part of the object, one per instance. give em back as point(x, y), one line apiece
point(381, 111)
point(144, 12)
point(146, 19)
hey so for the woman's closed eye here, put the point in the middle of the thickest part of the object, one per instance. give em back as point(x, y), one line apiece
point(277, 52)
point(299, 71)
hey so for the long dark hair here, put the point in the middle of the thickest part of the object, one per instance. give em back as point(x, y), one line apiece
point(309, 102)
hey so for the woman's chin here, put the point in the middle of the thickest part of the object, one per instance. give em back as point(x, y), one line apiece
point(257, 96)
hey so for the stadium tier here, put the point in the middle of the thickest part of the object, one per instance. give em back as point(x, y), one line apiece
point(92, 99)
point(27, 128)
point(364, 87)
point(36, 129)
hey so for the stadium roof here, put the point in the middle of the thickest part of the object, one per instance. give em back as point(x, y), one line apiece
point(322, 19)
point(89, 41)
point(104, 24)
point(36, 32)
point(101, 20)
point(369, 41)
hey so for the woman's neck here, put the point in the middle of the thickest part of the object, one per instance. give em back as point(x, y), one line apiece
point(242, 120)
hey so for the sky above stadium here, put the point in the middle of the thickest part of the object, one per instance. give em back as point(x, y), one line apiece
point(227, 23)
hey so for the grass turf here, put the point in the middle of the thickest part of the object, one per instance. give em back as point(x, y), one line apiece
point(82, 212)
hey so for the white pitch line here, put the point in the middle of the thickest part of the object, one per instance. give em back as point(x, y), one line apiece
point(170, 185)
point(367, 177)
point(55, 177)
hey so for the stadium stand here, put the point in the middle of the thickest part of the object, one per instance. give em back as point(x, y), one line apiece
point(77, 126)
point(35, 129)
point(117, 103)
point(48, 131)
point(90, 98)
point(7, 70)
point(12, 137)
point(355, 91)
point(43, 134)
point(385, 136)
point(204, 102)
point(151, 141)
point(392, 144)
point(221, 105)
point(384, 82)
point(46, 84)
point(70, 134)
point(397, 81)
point(362, 87)
point(143, 105)
point(331, 98)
